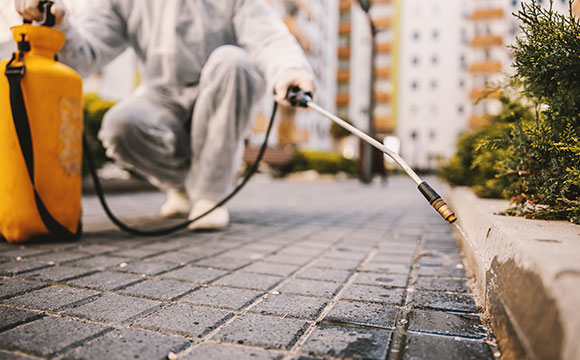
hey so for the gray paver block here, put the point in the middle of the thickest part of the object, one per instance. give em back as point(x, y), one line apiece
point(198, 275)
point(436, 347)
point(437, 284)
point(137, 253)
point(387, 268)
point(226, 298)
point(53, 298)
point(168, 290)
point(446, 324)
point(347, 343)
point(339, 264)
point(150, 268)
point(100, 262)
point(447, 271)
point(224, 263)
point(176, 257)
point(228, 352)
point(14, 317)
point(107, 280)
point(270, 269)
point(61, 256)
point(444, 301)
point(56, 273)
point(290, 306)
point(49, 336)
point(315, 273)
point(12, 287)
point(18, 267)
point(96, 249)
point(310, 288)
point(116, 309)
point(379, 294)
point(185, 320)
point(130, 344)
point(288, 259)
point(389, 280)
point(269, 332)
point(363, 314)
point(250, 281)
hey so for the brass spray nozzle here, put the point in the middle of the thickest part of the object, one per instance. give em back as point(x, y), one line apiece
point(437, 202)
point(443, 209)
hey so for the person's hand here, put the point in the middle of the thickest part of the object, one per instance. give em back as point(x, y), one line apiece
point(28, 9)
point(292, 77)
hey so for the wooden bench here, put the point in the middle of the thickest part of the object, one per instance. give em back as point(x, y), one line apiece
point(276, 156)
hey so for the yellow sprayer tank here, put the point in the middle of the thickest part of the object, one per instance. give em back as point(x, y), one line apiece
point(53, 96)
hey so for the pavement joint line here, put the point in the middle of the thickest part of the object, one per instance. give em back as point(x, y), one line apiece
point(21, 354)
point(257, 301)
point(396, 346)
point(456, 337)
point(244, 310)
point(294, 350)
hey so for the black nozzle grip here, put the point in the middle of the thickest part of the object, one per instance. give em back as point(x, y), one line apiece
point(298, 97)
point(427, 191)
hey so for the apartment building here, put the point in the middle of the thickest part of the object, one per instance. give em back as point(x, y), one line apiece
point(313, 23)
point(490, 28)
point(432, 96)
point(353, 75)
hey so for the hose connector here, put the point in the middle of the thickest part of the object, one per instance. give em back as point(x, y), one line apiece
point(437, 202)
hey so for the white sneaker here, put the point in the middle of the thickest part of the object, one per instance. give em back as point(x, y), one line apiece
point(177, 203)
point(218, 219)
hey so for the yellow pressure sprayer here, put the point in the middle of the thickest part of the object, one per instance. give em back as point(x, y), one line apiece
point(41, 130)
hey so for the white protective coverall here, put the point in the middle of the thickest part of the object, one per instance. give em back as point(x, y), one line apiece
point(206, 62)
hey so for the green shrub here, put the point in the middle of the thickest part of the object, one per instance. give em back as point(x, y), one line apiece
point(475, 163)
point(321, 162)
point(532, 158)
point(95, 109)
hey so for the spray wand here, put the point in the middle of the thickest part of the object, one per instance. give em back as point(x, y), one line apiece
point(300, 98)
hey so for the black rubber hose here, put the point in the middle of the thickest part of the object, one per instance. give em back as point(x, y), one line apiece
point(169, 230)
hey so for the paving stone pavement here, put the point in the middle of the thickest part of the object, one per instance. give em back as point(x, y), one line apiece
point(307, 270)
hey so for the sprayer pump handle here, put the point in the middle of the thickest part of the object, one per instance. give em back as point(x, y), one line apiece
point(298, 97)
point(45, 7)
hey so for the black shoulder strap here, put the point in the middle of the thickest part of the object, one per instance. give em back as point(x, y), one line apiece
point(22, 125)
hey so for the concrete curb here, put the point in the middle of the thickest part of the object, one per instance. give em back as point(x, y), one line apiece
point(527, 275)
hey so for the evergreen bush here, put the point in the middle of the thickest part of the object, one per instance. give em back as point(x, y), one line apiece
point(95, 109)
point(531, 155)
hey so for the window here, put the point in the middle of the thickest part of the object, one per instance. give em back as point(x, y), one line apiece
point(435, 34)
point(414, 85)
point(415, 60)
point(416, 35)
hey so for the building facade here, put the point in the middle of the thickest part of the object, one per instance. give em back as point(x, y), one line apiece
point(432, 101)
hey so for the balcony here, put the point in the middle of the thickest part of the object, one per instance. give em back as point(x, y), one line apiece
point(384, 124)
point(343, 52)
point(477, 121)
point(487, 14)
point(383, 23)
point(478, 94)
point(384, 48)
point(486, 41)
point(342, 99)
point(383, 72)
point(485, 67)
point(343, 75)
point(344, 28)
point(381, 97)
point(344, 5)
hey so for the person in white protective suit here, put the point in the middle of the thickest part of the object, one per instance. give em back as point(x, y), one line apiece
point(206, 63)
